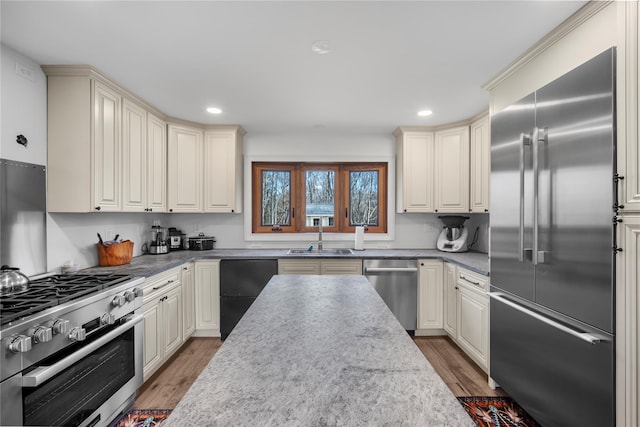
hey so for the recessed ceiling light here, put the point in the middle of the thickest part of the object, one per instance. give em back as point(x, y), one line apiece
point(214, 110)
point(425, 113)
point(320, 47)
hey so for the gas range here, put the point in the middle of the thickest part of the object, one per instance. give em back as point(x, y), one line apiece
point(64, 324)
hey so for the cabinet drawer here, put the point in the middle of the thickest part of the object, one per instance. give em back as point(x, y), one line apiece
point(472, 280)
point(341, 266)
point(155, 285)
point(298, 266)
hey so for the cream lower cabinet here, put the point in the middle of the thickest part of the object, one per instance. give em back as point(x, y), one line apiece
point(319, 266)
point(162, 311)
point(472, 319)
point(188, 300)
point(207, 302)
point(450, 300)
point(430, 298)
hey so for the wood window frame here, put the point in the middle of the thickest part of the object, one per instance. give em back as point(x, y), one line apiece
point(298, 198)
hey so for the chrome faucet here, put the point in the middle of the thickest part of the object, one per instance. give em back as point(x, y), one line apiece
point(320, 235)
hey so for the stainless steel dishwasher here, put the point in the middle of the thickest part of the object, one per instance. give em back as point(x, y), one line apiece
point(396, 280)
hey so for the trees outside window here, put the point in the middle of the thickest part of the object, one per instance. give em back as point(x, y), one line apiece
point(297, 197)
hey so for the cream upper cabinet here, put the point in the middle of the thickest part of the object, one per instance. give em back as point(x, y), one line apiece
point(156, 166)
point(185, 153)
point(430, 298)
point(451, 179)
point(134, 157)
point(415, 172)
point(450, 300)
point(223, 147)
point(480, 170)
point(83, 130)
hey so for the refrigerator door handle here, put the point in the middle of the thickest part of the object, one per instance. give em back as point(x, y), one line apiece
point(539, 142)
point(525, 140)
point(584, 336)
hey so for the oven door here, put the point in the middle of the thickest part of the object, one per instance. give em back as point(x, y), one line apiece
point(89, 386)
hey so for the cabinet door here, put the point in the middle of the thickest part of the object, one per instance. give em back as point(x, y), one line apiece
point(480, 147)
point(415, 171)
point(172, 320)
point(299, 266)
point(208, 296)
point(156, 164)
point(188, 301)
point(134, 157)
point(222, 174)
point(430, 299)
point(452, 170)
point(153, 347)
point(473, 324)
point(341, 266)
point(185, 169)
point(106, 148)
point(450, 300)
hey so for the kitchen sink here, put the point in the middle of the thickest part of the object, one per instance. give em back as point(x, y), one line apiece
point(340, 251)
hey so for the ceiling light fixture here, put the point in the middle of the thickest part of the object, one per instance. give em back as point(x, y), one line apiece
point(425, 113)
point(320, 47)
point(214, 110)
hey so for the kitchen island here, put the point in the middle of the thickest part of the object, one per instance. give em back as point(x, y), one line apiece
point(319, 350)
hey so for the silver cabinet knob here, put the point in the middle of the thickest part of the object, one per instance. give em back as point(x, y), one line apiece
point(41, 334)
point(129, 296)
point(59, 326)
point(118, 301)
point(77, 334)
point(108, 319)
point(20, 344)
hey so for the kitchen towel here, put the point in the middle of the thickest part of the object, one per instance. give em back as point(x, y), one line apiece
point(359, 243)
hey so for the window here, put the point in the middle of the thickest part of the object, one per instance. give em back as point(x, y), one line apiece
point(298, 197)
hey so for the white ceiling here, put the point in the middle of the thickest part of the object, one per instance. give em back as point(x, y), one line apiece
point(253, 59)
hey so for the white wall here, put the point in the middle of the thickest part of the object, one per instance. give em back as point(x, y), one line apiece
point(24, 108)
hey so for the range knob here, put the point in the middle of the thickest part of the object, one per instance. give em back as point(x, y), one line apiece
point(118, 301)
point(20, 344)
point(129, 295)
point(137, 292)
point(59, 326)
point(108, 319)
point(77, 334)
point(41, 334)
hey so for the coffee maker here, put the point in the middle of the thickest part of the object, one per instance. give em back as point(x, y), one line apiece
point(453, 237)
point(158, 244)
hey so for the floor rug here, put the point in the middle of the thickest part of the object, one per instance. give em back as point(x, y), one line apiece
point(142, 417)
point(496, 412)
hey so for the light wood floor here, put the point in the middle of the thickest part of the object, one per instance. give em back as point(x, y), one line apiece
point(167, 386)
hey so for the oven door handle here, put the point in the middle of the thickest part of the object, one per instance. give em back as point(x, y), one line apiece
point(44, 373)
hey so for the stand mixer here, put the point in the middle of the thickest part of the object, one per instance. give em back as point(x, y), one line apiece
point(453, 238)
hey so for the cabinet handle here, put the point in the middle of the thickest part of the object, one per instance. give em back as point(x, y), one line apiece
point(97, 208)
point(486, 210)
point(155, 288)
point(457, 288)
point(170, 210)
point(150, 209)
point(232, 210)
point(435, 210)
point(470, 281)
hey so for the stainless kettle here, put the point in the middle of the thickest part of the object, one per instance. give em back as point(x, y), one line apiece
point(12, 281)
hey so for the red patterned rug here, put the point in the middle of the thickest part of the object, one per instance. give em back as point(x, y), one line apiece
point(142, 417)
point(496, 412)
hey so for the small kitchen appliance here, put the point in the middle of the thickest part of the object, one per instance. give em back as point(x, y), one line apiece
point(175, 239)
point(453, 238)
point(158, 243)
point(201, 243)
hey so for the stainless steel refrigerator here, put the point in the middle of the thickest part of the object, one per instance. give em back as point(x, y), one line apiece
point(553, 208)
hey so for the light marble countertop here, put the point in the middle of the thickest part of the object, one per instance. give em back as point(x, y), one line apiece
point(319, 351)
point(149, 265)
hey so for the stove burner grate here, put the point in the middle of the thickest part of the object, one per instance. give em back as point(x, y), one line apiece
point(54, 290)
